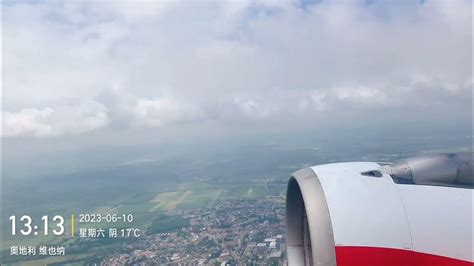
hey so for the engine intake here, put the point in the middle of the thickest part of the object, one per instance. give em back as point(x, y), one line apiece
point(306, 205)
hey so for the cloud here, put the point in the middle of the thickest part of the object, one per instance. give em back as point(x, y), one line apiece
point(161, 112)
point(362, 95)
point(47, 122)
point(158, 64)
point(130, 11)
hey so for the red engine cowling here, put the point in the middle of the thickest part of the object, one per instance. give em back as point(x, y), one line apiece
point(365, 213)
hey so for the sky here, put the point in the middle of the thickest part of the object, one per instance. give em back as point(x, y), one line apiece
point(118, 71)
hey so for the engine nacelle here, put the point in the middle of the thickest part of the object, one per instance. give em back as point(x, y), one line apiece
point(415, 212)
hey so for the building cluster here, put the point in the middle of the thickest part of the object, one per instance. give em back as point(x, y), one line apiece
point(235, 232)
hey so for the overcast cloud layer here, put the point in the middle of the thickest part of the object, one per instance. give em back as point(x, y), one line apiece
point(76, 67)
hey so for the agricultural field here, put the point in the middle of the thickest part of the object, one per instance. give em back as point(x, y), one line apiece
point(206, 196)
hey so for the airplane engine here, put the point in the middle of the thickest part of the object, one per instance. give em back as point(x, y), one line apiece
point(414, 212)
